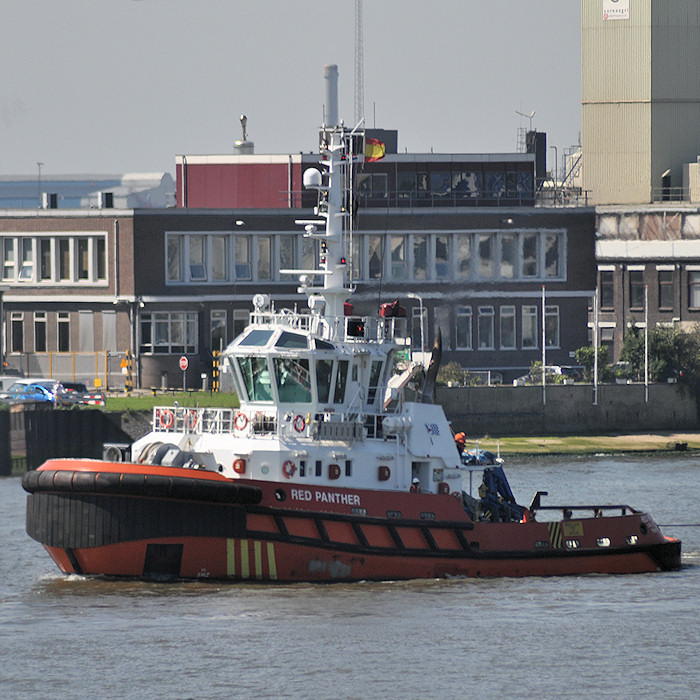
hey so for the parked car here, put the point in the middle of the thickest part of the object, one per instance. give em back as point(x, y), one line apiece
point(550, 371)
point(75, 393)
point(40, 392)
point(18, 386)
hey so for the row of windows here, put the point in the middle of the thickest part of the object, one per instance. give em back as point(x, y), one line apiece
point(665, 288)
point(488, 328)
point(463, 184)
point(52, 259)
point(487, 255)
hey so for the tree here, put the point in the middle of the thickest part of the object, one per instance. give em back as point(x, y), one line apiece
point(673, 353)
point(451, 372)
point(585, 356)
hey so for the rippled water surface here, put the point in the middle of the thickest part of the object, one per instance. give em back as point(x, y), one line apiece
point(574, 637)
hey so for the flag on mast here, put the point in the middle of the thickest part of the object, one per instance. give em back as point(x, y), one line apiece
point(374, 150)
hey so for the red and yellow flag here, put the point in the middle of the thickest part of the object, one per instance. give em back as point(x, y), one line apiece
point(374, 150)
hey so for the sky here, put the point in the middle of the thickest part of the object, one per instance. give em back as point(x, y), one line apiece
point(118, 86)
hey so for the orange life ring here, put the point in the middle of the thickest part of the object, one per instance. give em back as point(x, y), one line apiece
point(289, 469)
point(166, 419)
point(240, 421)
point(299, 423)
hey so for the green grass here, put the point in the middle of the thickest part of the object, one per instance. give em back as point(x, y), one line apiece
point(202, 399)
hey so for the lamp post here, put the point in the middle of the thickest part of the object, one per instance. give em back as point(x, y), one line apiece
point(413, 295)
point(2, 329)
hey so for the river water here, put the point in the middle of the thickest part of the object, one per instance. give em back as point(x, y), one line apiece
point(574, 637)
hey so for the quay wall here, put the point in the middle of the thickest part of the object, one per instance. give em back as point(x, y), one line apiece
point(568, 409)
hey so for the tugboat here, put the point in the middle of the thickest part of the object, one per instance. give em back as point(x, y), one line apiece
point(330, 470)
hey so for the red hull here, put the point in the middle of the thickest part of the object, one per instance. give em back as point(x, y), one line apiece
point(109, 519)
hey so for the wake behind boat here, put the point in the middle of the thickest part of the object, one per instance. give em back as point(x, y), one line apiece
point(327, 471)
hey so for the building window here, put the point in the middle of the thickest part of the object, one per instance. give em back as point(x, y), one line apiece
point(27, 270)
point(442, 321)
point(420, 257)
point(287, 249)
point(63, 331)
point(375, 257)
point(442, 257)
point(83, 258)
point(418, 317)
point(485, 328)
point(508, 253)
point(529, 327)
point(464, 328)
point(552, 255)
point(665, 289)
point(464, 255)
point(242, 255)
point(636, 278)
point(218, 329)
point(485, 255)
point(507, 327)
point(168, 332)
point(45, 272)
point(64, 266)
point(240, 321)
point(198, 258)
point(694, 289)
point(8, 257)
point(174, 247)
point(264, 257)
point(219, 258)
point(530, 255)
point(17, 329)
point(551, 326)
point(101, 263)
point(398, 257)
point(607, 289)
point(40, 331)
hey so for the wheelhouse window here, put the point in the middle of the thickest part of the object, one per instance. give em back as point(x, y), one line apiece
point(324, 372)
point(341, 381)
point(293, 379)
point(256, 378)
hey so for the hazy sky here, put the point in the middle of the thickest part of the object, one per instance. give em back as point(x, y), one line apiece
point(114, 86)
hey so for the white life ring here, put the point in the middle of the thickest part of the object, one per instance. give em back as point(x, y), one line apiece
point(166, 419)
point(289, 469)
point(299, 423)
point(240, 421)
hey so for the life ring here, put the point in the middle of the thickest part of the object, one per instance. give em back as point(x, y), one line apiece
point(299, 423)
point(289, 469)
point(240, 421)
point(191, 420)
point(166, 419)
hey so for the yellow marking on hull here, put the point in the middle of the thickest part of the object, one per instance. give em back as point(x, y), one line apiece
point(257, 551)
point(555, 536)
point(230, 557)
point(245, 560)
point(271, 563)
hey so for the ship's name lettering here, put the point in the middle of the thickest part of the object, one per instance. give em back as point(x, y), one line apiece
point(347, 499)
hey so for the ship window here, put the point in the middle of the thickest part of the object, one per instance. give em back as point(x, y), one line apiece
point(291, 340)
point(302, 467)
point(256, 377)
point(319, 467)
point(323, 345)
point(293, 380)
point(324, 371)
point(256, 338)
point(340, 381)
point(348, 467)
point(603, 541)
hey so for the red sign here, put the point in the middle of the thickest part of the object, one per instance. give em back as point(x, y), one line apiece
point(184, 363)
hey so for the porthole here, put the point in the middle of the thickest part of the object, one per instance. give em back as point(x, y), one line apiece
point(572, 544)
point(541, 544)
point(632, 539)
point(393, 514)
point(358, 511)
point(280, 494)
point(427, 516)
point(603, 541)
